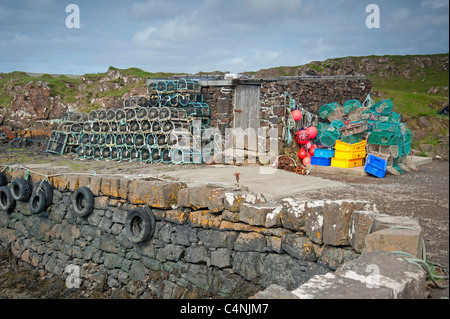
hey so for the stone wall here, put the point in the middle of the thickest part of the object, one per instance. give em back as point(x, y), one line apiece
point(310, 92)
point(208, 241)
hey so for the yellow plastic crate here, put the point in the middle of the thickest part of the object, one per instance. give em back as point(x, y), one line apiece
point(345, 163)
point(341, 146)
point(350, 154)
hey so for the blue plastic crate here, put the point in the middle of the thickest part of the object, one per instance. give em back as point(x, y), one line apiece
point(324, 152)
point(320, 161)
point(376, 162)
point(372, 170)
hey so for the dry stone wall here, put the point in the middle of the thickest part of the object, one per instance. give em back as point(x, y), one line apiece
point(208, 241)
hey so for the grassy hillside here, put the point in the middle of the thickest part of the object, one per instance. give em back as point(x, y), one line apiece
point(407, 80)
point(74, 88)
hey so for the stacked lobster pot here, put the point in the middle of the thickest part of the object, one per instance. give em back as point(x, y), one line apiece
point(67, 138)
point(165, 127)
point(357, 131)
point(170, 125)
point(184, 94)
point(388, 137)
point(138, 134)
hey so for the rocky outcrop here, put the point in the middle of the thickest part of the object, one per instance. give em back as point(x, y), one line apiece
point(382, 66)
point(32, 102)
point(40, 100)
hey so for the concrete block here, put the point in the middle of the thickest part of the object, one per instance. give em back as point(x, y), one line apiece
point(110, 187)
point(74, 182)
point(274, 292)
point(202, 197)
point(385, 270)
point(314, 220)
point(293, 214)
point(183, 197)
point(336, 220)
point(331, 286)
point(234, 199)
point(84, 181)
point(298, 246)
point(394, 239)
point(273, 219)
point(256, 214)
point(60, 182)
point(386, 221)
point(360, 224)
point(124, 188)
point(95, 185)
point(156, 194)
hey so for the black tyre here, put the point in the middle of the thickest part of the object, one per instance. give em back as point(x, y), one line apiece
point(83, 201)
point(7, 201)
point(38, 202)
point(21, 189)
point(3, 180)
point(47, 188)
point(140, 225)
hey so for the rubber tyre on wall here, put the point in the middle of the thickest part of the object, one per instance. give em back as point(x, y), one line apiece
point(7, 201)
point(47, 188)
point(21, 189)
point(140, 225)
point(83, 201)
point(3, 180)
point(38, 202)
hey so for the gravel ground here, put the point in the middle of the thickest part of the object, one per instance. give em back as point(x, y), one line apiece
point(423, 195)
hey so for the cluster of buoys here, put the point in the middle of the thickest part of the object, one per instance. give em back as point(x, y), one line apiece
point(305, 138)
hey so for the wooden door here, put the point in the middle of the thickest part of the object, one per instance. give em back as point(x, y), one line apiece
point(246, 117)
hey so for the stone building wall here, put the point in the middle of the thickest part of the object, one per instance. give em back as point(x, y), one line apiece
point(309, 92)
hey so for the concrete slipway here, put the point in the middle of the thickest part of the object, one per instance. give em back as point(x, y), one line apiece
point(273, 183)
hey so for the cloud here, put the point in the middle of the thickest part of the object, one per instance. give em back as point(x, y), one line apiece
point(434, 4)
point(160, 9)
point(271, 7)
point(142, 38)
point(321, 49)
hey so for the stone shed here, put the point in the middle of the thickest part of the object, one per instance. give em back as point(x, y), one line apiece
point(252, 104)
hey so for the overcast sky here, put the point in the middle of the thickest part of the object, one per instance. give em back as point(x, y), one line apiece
point(207, 35)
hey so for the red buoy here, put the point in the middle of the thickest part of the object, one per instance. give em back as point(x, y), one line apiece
point(312, 131)
point(297, 115)
point(302, 137)
point(302, 153)
point(306, 161)
point(311, 150)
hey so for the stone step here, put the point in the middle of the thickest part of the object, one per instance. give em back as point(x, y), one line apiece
point(375, 275)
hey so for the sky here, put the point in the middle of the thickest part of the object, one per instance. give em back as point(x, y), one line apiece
point(207, 35)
